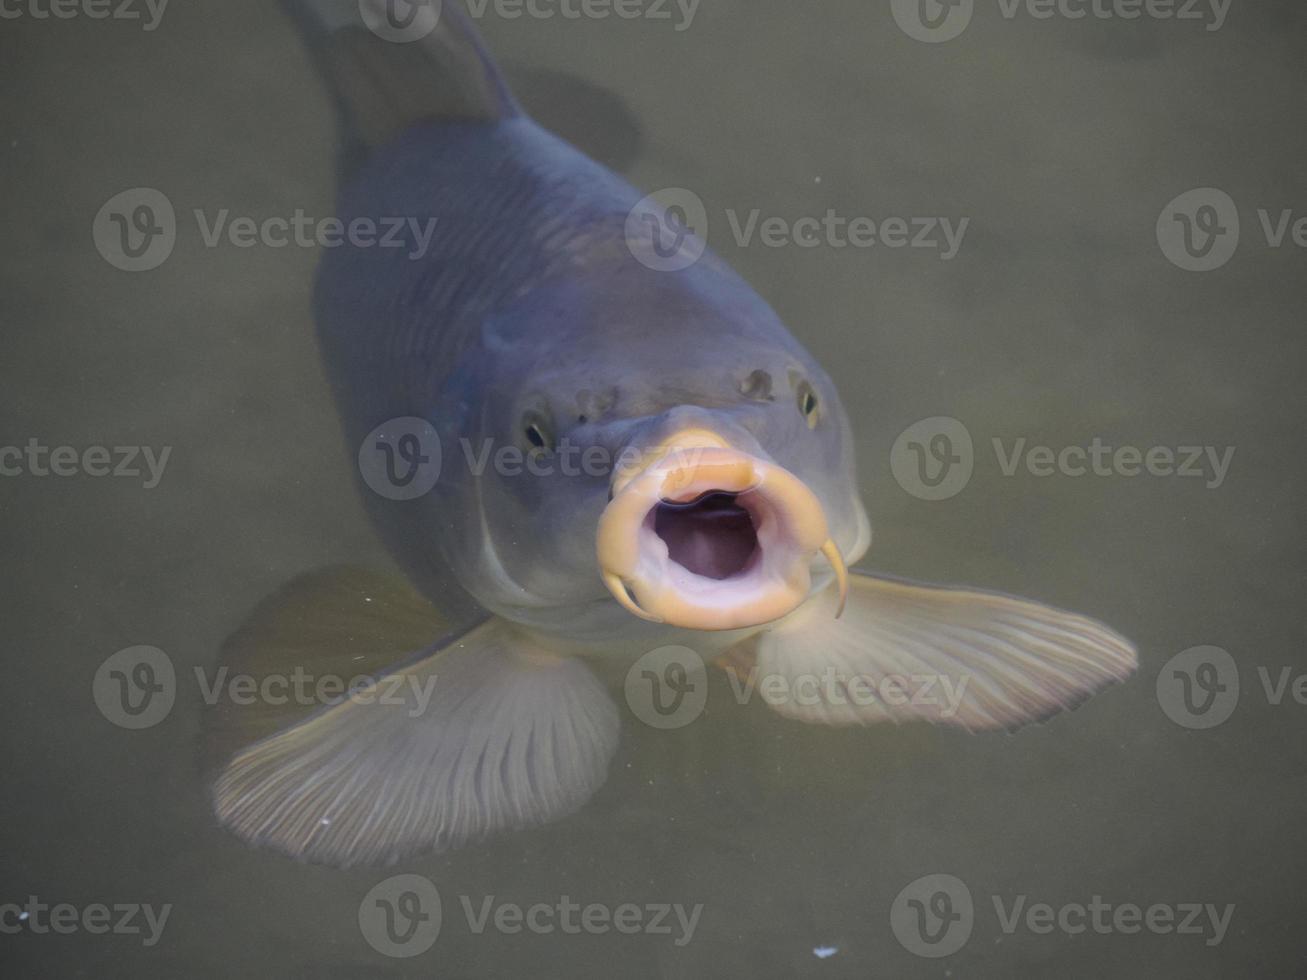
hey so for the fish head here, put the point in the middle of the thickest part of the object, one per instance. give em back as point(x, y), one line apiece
point(692, 463)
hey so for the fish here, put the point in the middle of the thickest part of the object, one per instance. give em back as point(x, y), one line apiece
point(721, 511)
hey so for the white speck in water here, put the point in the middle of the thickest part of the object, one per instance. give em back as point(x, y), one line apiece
point(824, 952)
point(22, 916)
point(325, 821)
point(817, 180)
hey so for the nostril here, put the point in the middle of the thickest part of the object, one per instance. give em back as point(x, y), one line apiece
point(712, 535)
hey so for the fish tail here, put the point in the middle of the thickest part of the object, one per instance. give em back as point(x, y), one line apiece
point(393, 64)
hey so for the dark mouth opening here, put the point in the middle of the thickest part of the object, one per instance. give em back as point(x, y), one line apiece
point(712, 535)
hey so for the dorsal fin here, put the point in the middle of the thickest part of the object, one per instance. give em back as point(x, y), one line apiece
point(392, 64)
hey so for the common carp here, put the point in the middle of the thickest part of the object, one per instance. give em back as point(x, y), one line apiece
point(721, 511)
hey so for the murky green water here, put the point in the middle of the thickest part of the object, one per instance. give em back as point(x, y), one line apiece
point(1058, 321)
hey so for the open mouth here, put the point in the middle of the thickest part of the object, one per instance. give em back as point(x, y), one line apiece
point(712, 535)
point(711, 538)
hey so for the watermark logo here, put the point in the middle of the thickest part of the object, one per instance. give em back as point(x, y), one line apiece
point(933, 459)
point(1211, 13)
point(400, 459)
point(1199, 230)
point(136, 230)
point(933, 916)
point(667, 687)
point(400, 917)
point(403, 21)
point(588, 10)
point(1199, 687)
point(932, 21)
point(668, 230)
point(400, 21)
point(135, 687)
point(97, 919)
point(413, 235)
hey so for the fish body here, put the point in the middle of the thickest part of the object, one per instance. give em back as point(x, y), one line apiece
point(721, 512)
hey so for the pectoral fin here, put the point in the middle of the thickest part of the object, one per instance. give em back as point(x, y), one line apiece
point(483, 734)
point(960, 657)
point(331, 625)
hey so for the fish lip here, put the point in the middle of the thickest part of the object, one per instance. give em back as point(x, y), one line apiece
point(636, 564)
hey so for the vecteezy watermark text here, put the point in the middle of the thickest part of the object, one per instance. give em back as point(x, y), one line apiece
point(402, 917)
point(36, 459)
point(573, 918)
point(409, 233)
point(934, 458)
point(405, 21)
point(64, 918)
point(137, 688)
point(412, 692)
point(935, 695)
point(402, 458)
point(149, 12)
point(1101, 459)
point(137, 230)
point(940, 234)
point(935, 915)
point(657, 10)
point(936, 21)
point(668, 231)
point(667, 688)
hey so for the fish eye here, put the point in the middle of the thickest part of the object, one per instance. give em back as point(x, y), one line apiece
point(808, 404)
point(537, 431)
